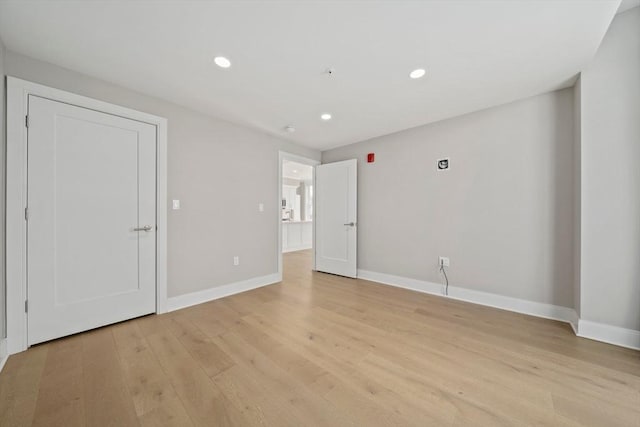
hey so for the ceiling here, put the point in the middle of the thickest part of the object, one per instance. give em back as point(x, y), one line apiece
point(477, 54)
point(297, 171)
point(628, 4)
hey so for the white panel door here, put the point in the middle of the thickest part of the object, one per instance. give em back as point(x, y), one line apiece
point(336, 218)
point(91, 241)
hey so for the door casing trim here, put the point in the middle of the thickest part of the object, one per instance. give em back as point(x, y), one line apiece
point(18, 91)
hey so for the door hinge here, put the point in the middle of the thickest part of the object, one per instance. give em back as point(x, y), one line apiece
point(26, 214)
point(26, 306)
point(26, 121)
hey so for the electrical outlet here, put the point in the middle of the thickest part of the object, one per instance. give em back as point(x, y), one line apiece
point(443, 261)
point(176, 205)
point(236, 260)
point(261, 207)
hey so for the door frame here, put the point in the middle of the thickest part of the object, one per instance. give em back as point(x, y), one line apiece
point(282, 156)
point(18, 91)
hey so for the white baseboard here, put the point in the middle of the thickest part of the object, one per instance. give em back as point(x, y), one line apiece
point(548, 311)
point(187, 300)
point(615, 335)
point(574, 322)
point(3, 353)
point(583, 328)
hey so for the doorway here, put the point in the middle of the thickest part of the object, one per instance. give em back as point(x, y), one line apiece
point(296, 202)
point(86, 214)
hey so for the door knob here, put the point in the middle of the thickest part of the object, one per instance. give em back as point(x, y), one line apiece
point(145, 228)
point(351, 224)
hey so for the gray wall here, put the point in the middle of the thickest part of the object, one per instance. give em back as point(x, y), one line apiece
point(3, 311)
point(219, 217)
point(503, 213)
point(610, 291)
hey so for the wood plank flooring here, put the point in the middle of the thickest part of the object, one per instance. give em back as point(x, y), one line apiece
point(321, 350)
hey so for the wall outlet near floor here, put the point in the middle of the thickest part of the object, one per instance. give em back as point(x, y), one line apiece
point(236, 260)
point(443, 261)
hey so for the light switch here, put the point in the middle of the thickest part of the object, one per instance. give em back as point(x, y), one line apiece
point(176, 205)
point(261, 207)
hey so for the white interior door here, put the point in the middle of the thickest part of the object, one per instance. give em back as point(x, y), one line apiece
point(336, 218)
point(91, 244)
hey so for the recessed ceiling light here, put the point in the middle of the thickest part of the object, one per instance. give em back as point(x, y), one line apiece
point(416, 74)
point(325, 116)
point(222, 62)
point(295, 171)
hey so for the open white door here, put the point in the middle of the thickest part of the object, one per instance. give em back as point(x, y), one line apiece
point(91, 229)
point(336, 218)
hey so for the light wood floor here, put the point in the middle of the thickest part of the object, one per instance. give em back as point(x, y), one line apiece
point(321, 350)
